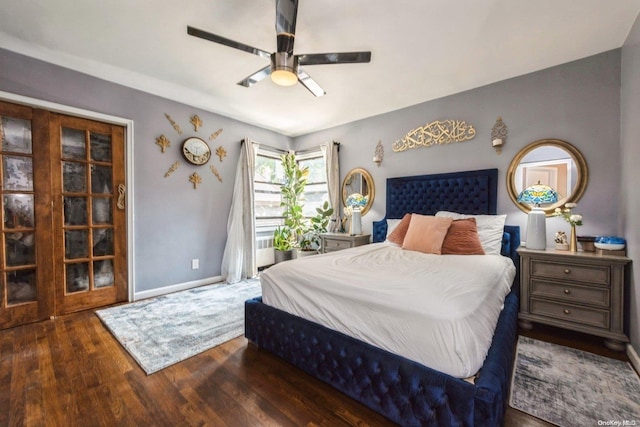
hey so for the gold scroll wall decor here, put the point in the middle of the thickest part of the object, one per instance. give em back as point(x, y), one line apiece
point(435, 133)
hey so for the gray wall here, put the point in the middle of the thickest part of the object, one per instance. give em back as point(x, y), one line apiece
point(173, 223)
point(630, 148)
point(578, 102)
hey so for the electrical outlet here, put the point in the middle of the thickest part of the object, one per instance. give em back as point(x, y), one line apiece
point(195, 264)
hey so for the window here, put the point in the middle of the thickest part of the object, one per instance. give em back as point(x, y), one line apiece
point(316, 191)
point(269, 177)
point(267, 181)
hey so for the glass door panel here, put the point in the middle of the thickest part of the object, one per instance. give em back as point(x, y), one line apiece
point(16, 135)
point(76, 244)
point(103, 273)
point(100, 147)
point(17, 173)
point(21, 286)
point(74, 175)
point(18, 224)
point(73, 145)
point(75, 211)
point(18, 211)
point(102, 211)
point(24, 190)
point(77, 277)
point(91, 166)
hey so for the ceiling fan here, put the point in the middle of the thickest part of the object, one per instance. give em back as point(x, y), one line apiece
point(285, 66)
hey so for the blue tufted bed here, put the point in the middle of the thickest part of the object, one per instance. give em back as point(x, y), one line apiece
point(405, 391)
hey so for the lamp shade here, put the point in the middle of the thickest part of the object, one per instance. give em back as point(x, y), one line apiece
point(537, 195)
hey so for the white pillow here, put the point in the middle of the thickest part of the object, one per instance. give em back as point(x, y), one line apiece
point(490, 229)
point(391, 225)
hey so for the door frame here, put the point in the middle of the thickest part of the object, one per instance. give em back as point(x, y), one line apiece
point(128, 163)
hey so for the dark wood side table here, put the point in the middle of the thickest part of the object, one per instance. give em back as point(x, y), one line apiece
point(581, 291)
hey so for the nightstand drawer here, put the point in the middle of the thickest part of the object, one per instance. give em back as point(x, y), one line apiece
point(566, 292)
point(336, 245)
point(594, 274)
point(571, 313)
point(331, 242)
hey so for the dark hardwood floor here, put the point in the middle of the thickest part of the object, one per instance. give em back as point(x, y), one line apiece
point(72, 372)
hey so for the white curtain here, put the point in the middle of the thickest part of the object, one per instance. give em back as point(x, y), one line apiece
point(239, 259)
point(332, 162)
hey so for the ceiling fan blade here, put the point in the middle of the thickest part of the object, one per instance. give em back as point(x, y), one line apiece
point(256, 77)
point(227, 42)
point(334, 58)
point(309, 83)
point(286, 15)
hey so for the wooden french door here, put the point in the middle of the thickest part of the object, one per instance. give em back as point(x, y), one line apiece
point(26, 270)
point(89, 217)
point(62, 215)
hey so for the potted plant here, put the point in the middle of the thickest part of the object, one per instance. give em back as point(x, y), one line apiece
point(292, 194)
point(283, 245)
point(310, 242)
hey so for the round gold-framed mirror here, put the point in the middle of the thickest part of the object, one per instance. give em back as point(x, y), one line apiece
point(359, 180)
point(552, 162)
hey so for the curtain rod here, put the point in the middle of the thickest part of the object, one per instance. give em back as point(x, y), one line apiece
point(281, 151)
point(309, 150)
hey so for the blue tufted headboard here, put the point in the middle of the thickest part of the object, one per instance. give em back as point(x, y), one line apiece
point(470, 192)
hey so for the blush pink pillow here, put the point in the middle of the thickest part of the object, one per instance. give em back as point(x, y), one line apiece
point(426, 233)
point(398, 233)
point(462, 238)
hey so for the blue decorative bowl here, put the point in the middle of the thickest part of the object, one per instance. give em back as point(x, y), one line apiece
point(610, 243)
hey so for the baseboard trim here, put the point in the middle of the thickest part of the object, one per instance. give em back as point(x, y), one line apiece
point(175, 288)
point(632, 354)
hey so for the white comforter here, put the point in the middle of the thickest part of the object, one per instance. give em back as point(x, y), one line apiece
point(438, 310)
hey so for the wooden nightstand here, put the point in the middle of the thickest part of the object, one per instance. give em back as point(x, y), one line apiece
point(580, 291)
point(331, 242)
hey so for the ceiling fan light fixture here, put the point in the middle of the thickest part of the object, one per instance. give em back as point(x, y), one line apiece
point(283, 69)
point(284, 77)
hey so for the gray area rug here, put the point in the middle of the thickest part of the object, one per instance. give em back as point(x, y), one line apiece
point(164, 330)
point(569, 387)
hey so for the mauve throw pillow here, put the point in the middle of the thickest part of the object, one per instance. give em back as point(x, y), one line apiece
point(398, 233)
point(490, 229)
point(462, 238)
point(426, 234)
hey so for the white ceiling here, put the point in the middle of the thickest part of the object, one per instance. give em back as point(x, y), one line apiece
point(421, 49)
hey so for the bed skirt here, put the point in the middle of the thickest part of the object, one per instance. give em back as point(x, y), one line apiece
point(404, 391)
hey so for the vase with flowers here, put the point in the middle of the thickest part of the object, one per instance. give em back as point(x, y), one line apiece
point(573, 219)
point(355, 202)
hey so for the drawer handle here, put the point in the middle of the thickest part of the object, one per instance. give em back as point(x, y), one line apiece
point(567, 271)
point(567, 291)
point(567, 311)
